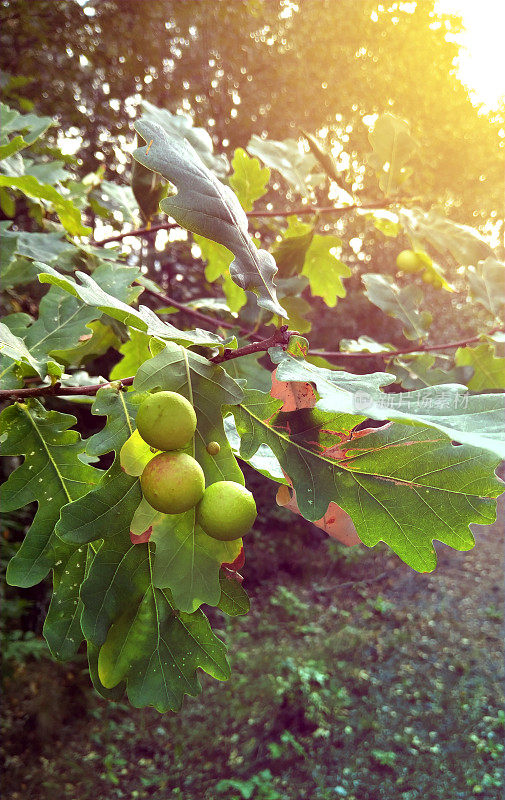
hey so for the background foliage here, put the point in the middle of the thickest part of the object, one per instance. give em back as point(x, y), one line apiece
point(90, 324)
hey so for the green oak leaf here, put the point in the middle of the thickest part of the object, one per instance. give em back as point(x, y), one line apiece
point(417, 370)
point(91, 345)
point(463, 243)
point(117, 692)
point(477, 420)
point(14, 146)
point(294, 164)
point(249, 180)
point(51, 474)
point(69, 214)
point(402, 485)
point(488, 370)
point(400, 303)
point(117, 579)
point(296, 309)
point(263, 459)
point(217, 256)
point(236, 298)
point(112, 504)
point(62, 626)
point(324, 270)
point(147, 189)
point(218, 260)
point(42, 247)
point(207, 207)
point(144, 319)
point(144, 518)
point(157, 650)
point(234, 600)
point(134, 352)
point(63, 319)
point(290, 252)
point(207, 387)
point(486, 285)
point(115, 197)
point(181, 125)
point(14, 348)
point(135, 454)
point(13, 121)
point(188, 561)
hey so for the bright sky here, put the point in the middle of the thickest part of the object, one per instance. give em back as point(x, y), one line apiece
point(482, 60)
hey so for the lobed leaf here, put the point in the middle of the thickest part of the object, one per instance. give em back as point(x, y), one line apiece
point(401, 303)
point(69, 214)
point(287, 157)
point(62, 626)
point(249, 180)
point(143, 319)
point(205, 206)
point(188, 561)
point(401, 485)
point(488, 370)
point(51, 474)
point(477, 420)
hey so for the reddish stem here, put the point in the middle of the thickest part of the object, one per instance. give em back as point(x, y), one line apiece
point(404, 351)
point(279, 337)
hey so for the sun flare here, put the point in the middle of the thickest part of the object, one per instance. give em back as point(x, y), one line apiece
point(481, 65)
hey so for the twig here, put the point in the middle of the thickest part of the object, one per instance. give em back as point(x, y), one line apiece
point(165, 226)
point(58, 390)
point(404, 351)
point(193, 312)
point(280, 337)
point(279, 212)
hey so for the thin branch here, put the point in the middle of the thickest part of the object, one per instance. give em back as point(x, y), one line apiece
point(300, 211)
point(193, 312)
point(165, 226)
point(304, 210)
point(279, 337)
point(404, 351)
point(58, 390)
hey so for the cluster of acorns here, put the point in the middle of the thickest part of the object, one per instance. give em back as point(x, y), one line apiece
point(173, 481)
point(418, 261)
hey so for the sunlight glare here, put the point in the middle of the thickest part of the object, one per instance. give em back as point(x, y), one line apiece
point(481, 65)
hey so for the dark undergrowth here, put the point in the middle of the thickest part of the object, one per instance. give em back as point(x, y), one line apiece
point(353, 677)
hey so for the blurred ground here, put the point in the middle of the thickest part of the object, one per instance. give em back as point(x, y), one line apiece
point(391, 688)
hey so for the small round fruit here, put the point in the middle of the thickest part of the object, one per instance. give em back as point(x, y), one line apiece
point(213, 448)
point(408, 261)
point(428, 276)
point(166, 420)
point(226, 511)
point(172, 482)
